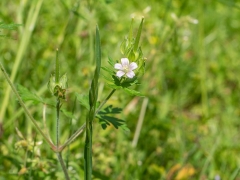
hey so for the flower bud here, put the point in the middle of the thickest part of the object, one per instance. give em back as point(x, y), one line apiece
point(58, 89)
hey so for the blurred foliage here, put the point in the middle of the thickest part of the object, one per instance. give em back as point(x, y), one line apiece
point(191, 124)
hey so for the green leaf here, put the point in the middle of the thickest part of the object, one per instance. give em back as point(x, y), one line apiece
point(98, 51)
point(136, 43)
point(106, 120)
point(8, 26)
point(130, 34)
point(117, 123)
point(113, 86)
point(78, 14)
point(107, 78)
point(83, 100)
point(26, 95)
point(67, 113)
point(108, 70)
point(133, 92)
point(111, 61)
point(110, 110)
point(93, 93)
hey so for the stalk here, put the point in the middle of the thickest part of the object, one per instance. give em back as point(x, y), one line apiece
point(58, 106)
point(57, 122)
point(57, 100)
point(60, 159)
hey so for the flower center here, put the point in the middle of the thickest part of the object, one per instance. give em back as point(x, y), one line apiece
point(125, 68)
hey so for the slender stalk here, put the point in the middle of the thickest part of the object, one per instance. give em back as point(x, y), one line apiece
point(60, 159)
point(140, 122)
point(57, 122)
point(88, 148)
point(73, 137)
point(24, 107)
point(57, 68)
point(57, 100)
point(44, 123)
point(202, 61)
point(58, 106)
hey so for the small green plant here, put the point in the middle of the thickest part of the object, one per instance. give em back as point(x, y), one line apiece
point(121, 74)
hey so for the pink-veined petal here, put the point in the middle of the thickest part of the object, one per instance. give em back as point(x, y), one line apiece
point(120, 73)
point(133, 66)
point(125, 62)
point(118, 66)
point(130, 74)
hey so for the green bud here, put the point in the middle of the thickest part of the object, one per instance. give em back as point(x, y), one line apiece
point(58, 89)
point(130, 49)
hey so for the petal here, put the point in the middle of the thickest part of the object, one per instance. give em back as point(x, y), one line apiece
point(125, 62)
point(120, 73)
point(118, 66)
point(133, 66)
point(130, 74)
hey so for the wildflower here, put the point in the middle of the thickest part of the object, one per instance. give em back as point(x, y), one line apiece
point(125, 68)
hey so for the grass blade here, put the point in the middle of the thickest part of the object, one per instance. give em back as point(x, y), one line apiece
point(138, 36)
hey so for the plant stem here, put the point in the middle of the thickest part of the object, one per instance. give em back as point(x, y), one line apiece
point(88, 148)
point(202, 61)
point(140, 122)
point(60, 159)
point(24, 107)
point(73, 137)
point(57, 122)
point(57, 68)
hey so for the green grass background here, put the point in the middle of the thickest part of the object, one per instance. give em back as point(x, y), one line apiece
point(191, 124)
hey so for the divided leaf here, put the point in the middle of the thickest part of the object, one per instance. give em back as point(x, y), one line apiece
point(83, 100)
point(8, 26)
point(67, 113)
point(26, 95)
point(105, 118)
point(133, 92)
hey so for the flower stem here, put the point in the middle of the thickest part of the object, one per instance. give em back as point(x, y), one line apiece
point(57, 68)
point(57, 122)
point(60, 159)
point(73, 137)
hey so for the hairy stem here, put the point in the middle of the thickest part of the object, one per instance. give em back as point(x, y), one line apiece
point(60, 159)
point(57, 122)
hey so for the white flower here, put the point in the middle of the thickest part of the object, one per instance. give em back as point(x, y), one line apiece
point(125, 68)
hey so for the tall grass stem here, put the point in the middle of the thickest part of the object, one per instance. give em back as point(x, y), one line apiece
point(140, 122)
